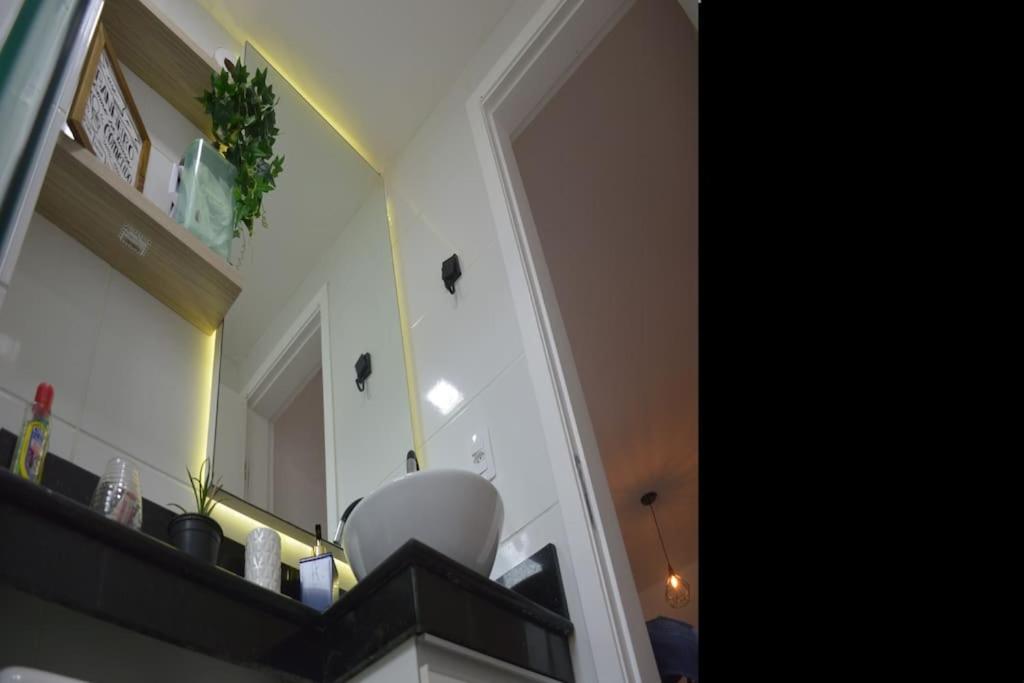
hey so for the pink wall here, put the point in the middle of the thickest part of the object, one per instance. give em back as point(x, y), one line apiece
point(610, 170)
point(300, 495)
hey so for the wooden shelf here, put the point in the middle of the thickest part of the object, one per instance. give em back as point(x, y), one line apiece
point(161, 55)
point(91, 203)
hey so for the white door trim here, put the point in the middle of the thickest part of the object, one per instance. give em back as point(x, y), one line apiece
point(314, 317)
point(547, 51)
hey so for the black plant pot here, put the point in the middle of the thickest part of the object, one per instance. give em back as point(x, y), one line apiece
point(196, 535)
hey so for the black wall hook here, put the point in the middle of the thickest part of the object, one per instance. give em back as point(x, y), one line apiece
point(362, 371)
point(450, 272)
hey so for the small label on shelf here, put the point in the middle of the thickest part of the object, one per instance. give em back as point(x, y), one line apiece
point(134, 240)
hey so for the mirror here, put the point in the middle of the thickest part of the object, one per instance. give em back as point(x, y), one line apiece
point(294, 434)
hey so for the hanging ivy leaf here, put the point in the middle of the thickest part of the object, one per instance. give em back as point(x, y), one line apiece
point(245, 129)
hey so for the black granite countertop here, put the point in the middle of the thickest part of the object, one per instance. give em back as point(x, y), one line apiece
point(58, 549)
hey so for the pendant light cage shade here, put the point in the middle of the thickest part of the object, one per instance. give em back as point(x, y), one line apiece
point(677, 589)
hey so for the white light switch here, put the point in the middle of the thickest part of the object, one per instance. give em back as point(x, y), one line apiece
point(480, 459)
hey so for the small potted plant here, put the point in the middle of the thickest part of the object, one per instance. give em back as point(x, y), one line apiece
point(196, 533)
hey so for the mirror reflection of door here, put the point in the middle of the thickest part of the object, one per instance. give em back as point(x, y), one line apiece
point(281, 457)
point(297, 456)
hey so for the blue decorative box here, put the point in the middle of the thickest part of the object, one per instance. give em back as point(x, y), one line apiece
point(316, 579)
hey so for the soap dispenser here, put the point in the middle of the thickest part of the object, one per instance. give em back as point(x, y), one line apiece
point(317, 575)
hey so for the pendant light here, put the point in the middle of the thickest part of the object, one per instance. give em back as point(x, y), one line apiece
point(677, 589)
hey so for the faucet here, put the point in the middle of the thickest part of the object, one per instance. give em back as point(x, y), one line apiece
point(412, 464)
point(336, 540)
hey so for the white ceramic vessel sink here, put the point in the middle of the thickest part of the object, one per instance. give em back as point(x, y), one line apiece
point(455, 512)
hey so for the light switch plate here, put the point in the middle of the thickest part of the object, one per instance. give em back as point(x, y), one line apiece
point(481, 456)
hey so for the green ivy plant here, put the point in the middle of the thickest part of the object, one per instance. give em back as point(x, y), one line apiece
point(244, 127)
point(204, 489)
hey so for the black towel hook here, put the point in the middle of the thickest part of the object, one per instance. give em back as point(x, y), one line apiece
point(362, 371)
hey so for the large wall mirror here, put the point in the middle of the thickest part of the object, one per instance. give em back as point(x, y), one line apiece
point(294, 434)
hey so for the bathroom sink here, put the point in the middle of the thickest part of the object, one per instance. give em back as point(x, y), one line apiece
point(455, 512)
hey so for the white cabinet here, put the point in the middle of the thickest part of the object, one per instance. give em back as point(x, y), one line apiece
point(427, 659)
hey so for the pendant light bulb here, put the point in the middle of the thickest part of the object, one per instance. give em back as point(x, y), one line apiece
point(677, 589)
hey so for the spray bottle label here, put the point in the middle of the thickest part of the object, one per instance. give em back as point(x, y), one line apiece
point(31, 451)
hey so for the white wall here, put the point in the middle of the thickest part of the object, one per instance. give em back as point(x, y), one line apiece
point(439, 205)
point(131, 378)
point(128, 373)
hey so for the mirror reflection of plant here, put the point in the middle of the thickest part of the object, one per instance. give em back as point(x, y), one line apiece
point(244, 127)
point(204, 489)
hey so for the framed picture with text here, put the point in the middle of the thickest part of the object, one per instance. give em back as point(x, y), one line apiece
point(103, 115)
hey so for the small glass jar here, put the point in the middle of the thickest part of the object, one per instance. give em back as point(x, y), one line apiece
point(118, 495)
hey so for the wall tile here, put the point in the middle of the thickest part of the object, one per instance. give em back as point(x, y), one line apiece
point(12, 412)
point(148, 394)
point(461, 346)
point(506, 411)
point(372, 428)
point(93, 455)
point(62, 438)
point(50, 321)
point(439, 175)
point(421, 249)
point(229, 441)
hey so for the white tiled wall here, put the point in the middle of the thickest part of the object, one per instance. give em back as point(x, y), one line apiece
point(126, 370)
point(131, 378)
point(471, 340)
point(506, 412)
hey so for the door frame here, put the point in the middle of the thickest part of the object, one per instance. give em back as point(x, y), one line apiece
point(314, 317)
point(556, 40)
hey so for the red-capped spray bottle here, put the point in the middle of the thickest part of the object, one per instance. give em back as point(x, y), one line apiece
point(34, 440)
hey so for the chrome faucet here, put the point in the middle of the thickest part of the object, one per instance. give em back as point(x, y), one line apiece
point(336, 540)
point(412, 464)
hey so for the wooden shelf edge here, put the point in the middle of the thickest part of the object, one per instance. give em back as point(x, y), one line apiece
point(91, 203)
point(162, 55)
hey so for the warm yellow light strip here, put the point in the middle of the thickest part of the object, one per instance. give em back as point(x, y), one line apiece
point(338, 128)
point(204, 402)
point(237, 526)
point(403, 320)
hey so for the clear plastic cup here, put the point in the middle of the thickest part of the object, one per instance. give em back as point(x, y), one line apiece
point(118, 496)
